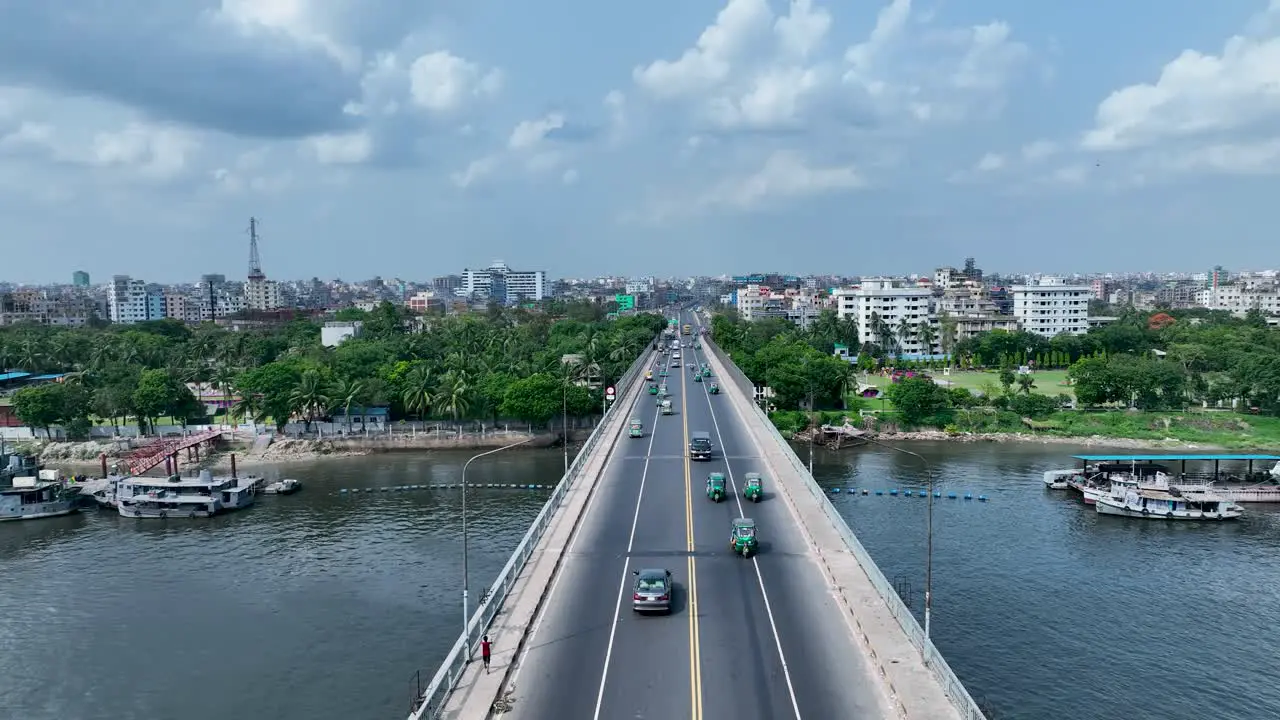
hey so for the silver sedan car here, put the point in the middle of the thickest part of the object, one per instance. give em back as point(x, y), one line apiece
point(652, 591)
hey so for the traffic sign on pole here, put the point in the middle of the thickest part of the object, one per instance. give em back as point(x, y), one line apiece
point(609, 394)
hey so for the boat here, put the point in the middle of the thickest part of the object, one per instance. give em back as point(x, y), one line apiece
point(101, 491)
point(29, 497)
point(183, 497)
point(287, 486)
point(1244, 482)
point(1171, 504)
point(1059, 479)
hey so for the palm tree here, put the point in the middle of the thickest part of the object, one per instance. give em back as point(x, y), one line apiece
point(454, 394)
point(345, 393)
point(418, 396)
point(926, 334)
point(882, 333)
point(906, 332)
point(308, 398)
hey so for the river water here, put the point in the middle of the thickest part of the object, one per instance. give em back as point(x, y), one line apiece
point(323, 605)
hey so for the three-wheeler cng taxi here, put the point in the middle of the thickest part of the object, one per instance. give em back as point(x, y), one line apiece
point(715, 487)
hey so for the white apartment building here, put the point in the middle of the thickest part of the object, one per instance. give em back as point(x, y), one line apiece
point(262, 294)
point(1052, 307)
point(893, 302)
point(1239, 299)
point(131, 301)
point(501, 283)
point(751, 301)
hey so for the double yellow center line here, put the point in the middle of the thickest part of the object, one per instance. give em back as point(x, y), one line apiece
point(695, 649)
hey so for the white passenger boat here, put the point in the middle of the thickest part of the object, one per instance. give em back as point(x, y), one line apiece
point(1169, 504)
point(1059, 479)
point(31, 497)
point(183, 497)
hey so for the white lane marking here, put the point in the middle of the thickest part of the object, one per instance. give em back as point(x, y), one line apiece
point(768, 608)
point(555, 581)
point(626, 567)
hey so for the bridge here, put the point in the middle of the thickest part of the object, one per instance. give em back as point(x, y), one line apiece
point(152, 454)
point(808, 628)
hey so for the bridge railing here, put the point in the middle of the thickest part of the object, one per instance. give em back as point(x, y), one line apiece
point(431, 701)
point(955, 690)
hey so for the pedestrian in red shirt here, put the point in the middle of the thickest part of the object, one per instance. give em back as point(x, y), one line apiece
point(484, 651)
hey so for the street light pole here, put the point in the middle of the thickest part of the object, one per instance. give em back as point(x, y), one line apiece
point(928, 557)
point(466, 575)
point(564, 422)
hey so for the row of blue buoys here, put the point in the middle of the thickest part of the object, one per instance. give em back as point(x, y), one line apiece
point(910, 493)
point(450, 486)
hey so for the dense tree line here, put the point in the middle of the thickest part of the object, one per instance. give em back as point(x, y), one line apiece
point(500, 364)
point(1165, 360)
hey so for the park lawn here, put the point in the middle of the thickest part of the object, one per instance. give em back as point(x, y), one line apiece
point(1047, 382)
point(1224, 429)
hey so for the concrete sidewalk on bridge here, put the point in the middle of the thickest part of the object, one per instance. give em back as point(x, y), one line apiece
point(478, 693)
point(916, 692)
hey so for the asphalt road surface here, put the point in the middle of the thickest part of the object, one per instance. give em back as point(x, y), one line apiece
point(746, 639)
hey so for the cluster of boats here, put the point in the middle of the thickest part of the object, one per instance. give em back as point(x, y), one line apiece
point(28, 492)
point(1141, 486)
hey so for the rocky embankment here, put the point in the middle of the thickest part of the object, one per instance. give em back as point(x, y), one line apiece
point(88, 451)
point(1092, 440)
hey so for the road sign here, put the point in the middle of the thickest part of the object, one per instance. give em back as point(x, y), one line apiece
point(609, 392)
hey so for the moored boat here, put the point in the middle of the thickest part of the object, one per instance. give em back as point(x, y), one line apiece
point(1059, 479)
point(183, 497)
point(1171, 504)
point(31, 497)
point(287, 486)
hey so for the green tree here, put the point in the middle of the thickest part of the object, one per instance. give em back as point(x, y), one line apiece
point(917, 399)
point(39, 407)
point(536, 399)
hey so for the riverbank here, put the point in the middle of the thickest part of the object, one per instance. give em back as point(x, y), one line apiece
point(1120, 429)
point(293, 450)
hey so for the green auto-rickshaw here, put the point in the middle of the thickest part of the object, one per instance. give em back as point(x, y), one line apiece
point(697, 378)
point(715, 487)
point(753, 487)
point(713, 388)
point(742, 538)
point(653, 389)
point(637, 428)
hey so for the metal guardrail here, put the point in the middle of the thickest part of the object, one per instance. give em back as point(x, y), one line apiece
point(951, 685)
point(430, 702)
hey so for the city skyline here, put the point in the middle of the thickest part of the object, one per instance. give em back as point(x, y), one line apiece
point(710, 137)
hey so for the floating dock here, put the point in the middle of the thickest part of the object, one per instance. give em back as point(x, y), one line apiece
point(1253, 485)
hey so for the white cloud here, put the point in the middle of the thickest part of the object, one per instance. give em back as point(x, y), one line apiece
point(531, 132)
point(784, 175)
point(348, 149)
point(711, 60)
point(1039, 150)
point(1197, 94)
point(442, 82)
point(476, 171)
point(990, 162)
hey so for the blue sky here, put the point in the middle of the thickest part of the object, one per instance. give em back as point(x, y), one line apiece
point(396, 138)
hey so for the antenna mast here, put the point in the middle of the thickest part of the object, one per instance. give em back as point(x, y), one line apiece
point(255, 263)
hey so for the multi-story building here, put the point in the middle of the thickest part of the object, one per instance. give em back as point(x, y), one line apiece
point(502, 284)
point(750, 301)
point(261, 294)
point(1052, 307)
point(133, 301)
point(970, 311)
point(80, 279)
point(38, 307)
point(1239, 300)
point(424, 301)
point(892, 311)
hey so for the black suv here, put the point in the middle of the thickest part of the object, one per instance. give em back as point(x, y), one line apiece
point(700, 446)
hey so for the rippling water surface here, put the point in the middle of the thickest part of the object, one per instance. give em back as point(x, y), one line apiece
point(1048, 611)
point(315, 605)
point(319, 605)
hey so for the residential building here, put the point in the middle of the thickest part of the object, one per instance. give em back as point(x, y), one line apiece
point(1239, 300)
point(80, 279)
point(39, 307)
point(1052, 307)
point(133, 301)
point(180, 306)
point(424, 301)
point(750, 301)
point(903, 307)
point(261, 293)
point(970, 311)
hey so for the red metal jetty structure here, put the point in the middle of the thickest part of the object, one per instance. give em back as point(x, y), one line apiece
point(149, 456)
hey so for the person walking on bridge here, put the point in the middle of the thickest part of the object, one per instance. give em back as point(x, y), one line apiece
point(485, 649)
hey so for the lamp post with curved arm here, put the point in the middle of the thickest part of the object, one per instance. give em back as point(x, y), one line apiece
point(928, 557)
point(466, 575)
